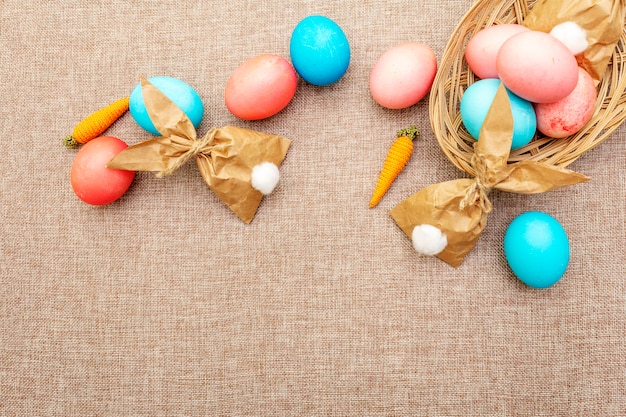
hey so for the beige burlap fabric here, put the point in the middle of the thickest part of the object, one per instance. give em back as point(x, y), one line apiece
point(166, 304)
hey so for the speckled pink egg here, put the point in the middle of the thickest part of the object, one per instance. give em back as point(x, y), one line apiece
point(537, 67)
point(403, 75)
point(567, 116)
point(482, 49)
point(260, 87)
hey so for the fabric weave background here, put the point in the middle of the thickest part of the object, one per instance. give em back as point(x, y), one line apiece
point(165, 304)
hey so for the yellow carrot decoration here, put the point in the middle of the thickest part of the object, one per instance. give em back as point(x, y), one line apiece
point(397, 158)
point(96, 123)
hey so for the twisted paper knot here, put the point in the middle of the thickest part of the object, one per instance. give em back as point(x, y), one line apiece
point(477, 193)
point(197, 146)
point(485, 180)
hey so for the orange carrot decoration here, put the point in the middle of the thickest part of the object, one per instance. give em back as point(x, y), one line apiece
point(397, 158)
point(96, 123)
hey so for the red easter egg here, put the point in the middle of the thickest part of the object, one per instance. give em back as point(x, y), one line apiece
point(91, 180)
point(260, 87)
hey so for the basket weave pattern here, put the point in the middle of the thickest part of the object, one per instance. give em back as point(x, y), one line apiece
point(454, 76)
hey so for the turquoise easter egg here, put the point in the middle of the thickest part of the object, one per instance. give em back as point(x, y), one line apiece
point(477, 100)
point(181, 94)
point(537, 249)
point(319, 50)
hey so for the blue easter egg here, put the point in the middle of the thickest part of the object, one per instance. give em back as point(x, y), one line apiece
point(475, 105)
point(319, 50)
point(181, 93)
point(537, 249)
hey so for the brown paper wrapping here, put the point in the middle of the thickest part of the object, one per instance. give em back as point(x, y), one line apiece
point(459, 208)
point(225, 156)
point(603, 20)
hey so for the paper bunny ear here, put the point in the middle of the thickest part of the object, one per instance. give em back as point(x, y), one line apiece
point(225, 156)
point(166, 116)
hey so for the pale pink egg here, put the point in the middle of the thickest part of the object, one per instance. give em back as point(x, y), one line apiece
point(403, 75)
point(482, 49)
point(537, 67)
point(567, 116)
point(260, 87)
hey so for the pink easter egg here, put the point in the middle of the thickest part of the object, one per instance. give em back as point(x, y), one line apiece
point(403, 75)
point(537, 67)
point(567, 116)
point(482, 49)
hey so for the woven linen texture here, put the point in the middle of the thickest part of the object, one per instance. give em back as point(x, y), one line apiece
point(165, 304)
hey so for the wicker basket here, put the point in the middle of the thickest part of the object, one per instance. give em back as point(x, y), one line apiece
point(454, 77)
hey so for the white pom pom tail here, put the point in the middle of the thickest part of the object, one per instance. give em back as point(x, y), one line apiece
point(265, 177)
point(428, 240)
point(572, 35)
